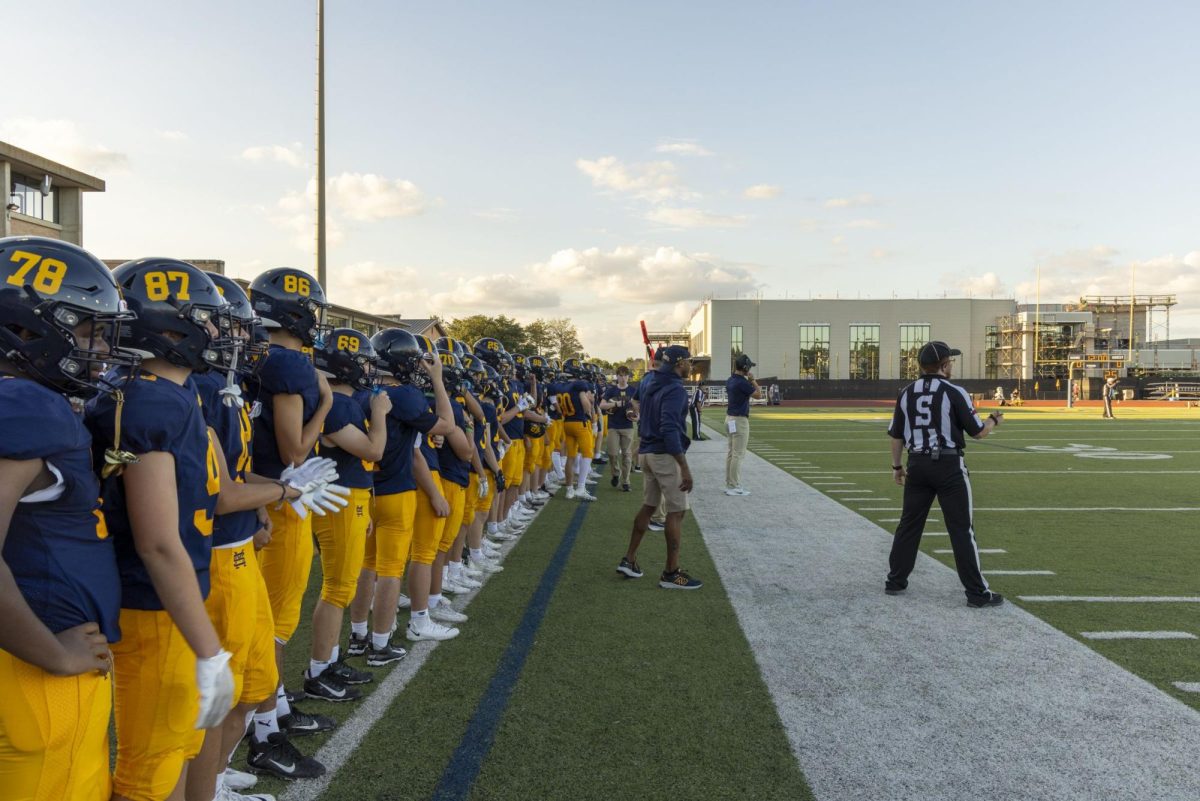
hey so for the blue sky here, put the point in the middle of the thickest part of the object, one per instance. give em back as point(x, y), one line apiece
point(618, 161)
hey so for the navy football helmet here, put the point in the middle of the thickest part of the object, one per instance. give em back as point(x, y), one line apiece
point(452, 371)
point(50, 288)
point(175, 304)
point(251, 349)
point(490, 350)
point(347, 357)
point(399, 353)
point(291, 299)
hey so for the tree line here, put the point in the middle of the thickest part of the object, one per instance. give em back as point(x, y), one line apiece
point(557, 337)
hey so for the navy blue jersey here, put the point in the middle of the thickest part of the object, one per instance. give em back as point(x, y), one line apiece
point(283, 372)
point(346, 411)
point(59, 551)
point(570, 400)
point(738, 389)
point(409, 417)
point(623, 398)
point(234, 431)
point(513, 390)
point(449, 465)
point(159, 415)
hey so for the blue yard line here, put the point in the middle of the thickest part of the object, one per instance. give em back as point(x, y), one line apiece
point(468, 758)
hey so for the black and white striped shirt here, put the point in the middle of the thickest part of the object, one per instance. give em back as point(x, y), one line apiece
point(933, 409)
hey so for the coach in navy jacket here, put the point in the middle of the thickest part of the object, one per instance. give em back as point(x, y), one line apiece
point(667, 478)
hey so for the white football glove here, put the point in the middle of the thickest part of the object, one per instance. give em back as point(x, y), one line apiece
point(522, 403)
point(231, 395)
point(483, 486)
point(315, 469)
point(215, 681)
point(321, 497)
point(501, 449)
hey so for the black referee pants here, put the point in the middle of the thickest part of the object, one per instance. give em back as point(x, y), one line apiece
point(947, 480)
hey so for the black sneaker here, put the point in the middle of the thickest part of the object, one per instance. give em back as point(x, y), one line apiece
point(637, 469)
point(349, 675)
point(893, 589)
point(678, 580)
point(293, 696)
point(299, 723)
point(629, 569)
point(991, 599)
point(278, 757)
point(655, 526)
point(328, 687)
point(358, 645)
point(625, 488)
point(615, 481)
point(378, 657)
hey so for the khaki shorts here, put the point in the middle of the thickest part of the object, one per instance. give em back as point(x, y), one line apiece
point(661, 478)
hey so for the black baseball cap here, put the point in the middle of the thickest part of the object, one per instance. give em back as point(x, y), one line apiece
point(936, 352)
point(674, 354)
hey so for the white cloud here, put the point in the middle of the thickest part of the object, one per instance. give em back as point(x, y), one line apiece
point(654, 181)
point(762, 192)
point(977, 286)
point(373, 197)
point(379, 288)
point(297, 212)
point(1070, 275)
point(683, 147)
point(853, 201)
point(498, 215)
point(62, 141)
point(172, 136)
point(880, 254)
point(635, 274)
point(864, 224)
point(291, 155)
point(497, 294)
point(694, 218)
point(838, 240)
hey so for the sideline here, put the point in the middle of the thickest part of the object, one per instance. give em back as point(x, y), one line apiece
point(919, 696)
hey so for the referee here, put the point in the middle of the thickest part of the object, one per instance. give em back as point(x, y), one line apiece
point(930, 418)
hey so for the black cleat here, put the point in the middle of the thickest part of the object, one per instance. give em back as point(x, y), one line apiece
point(378, 657)
point(349, 675)
point(615, 481)
point(278, 757)
point(991, 599)
point(626, 488)
point(298, 723)
point(629, 569)
point(328, 687)
point(358, 645)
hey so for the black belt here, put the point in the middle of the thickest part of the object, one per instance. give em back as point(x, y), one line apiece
point(944, 452)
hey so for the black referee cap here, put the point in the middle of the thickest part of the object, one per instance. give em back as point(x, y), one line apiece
point(936, 352)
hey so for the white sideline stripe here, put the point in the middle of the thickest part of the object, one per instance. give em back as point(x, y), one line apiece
point(936, 534)
point(831, 483)
point(1113, 599)
point(345, 740)
point(897, 520)
point(1087, 508)
point(831, 492)
point(1137, 635)
point(1063, 472)
point(1019, 572)
point(1187, 686)
point(864, 498)
point(981, 550)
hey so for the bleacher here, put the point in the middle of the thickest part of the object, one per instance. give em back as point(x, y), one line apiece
point(1173, 390)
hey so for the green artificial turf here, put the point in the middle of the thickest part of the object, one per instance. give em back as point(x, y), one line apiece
point(1091, 552)
point(629, 690)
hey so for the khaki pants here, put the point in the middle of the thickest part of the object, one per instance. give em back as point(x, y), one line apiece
point(620, 452)
point(738, 440)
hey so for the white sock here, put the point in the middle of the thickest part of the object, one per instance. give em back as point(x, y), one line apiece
point(455, 569)
point(379, 641)
point(282, 707)
point(265, 724)
point(358, 629)
point(418, 619)
point(476, 554)
point(316, 668)
point(492, 528)
point(337, 651)
point(585, 469)
point(434, 600)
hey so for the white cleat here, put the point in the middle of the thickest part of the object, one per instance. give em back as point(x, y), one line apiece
point(404, 602)
point(467, 583)
point(571, 493)
point(584, 495)
point(503, 536)
point(430, 630)
point(488, 566)
point(445, 613)
point(236, 779)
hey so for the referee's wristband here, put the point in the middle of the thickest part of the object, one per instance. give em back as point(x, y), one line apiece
point(897, 467)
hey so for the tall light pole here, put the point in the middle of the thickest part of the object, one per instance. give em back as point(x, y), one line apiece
point(321, 146)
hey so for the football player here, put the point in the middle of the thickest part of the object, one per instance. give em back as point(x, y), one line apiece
point(575, 402)
point(237, 602)
point(349, 360)
point(60, 588)
point(294, 401)
point(172, 674)
point(481, 491)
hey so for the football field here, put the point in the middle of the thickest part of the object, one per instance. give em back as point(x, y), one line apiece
point(1089, 524)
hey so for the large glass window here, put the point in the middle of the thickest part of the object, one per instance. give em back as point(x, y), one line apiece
point(912, 337)
point(31, 200)
point(864, 351)
point(735, 344)
point(814, 350)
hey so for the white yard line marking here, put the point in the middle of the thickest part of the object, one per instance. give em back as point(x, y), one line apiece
point(897, 520)
point(1018, 572)
point(1063, 472)
point(1087, 508)
point(1113, 599)
point(1187, 686)
point(1137, 635)
point(981, 550)
point(831, 483)
point(831, 492)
